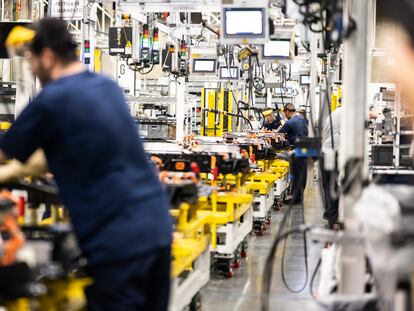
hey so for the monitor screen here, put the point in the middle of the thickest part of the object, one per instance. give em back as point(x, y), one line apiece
point(277, 49)
point(304, 80)
point(231, 73)
point(244, 21)
point(204, 65)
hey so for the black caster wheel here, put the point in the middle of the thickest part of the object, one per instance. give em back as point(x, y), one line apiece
point(237, 258)
point(225, 267)
point(269, 219)
point(244, 250)
point(196, 303)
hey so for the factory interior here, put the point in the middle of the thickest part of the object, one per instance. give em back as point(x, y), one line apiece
point(215, 155)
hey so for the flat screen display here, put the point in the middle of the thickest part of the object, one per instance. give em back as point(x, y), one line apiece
point(304, 80)
point(204, 65)
point(277, 49)
point(244, 21)
point(231, 73)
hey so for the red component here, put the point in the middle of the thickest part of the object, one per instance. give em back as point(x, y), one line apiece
point(165, 15)
point(243, 254)
point(20, 206)
point(215, 173)
point(253, 157)
point(229, 274)
point(195, 168)
point(87, 44)
point(183, 47)
point(236, 265)
point(145, 31)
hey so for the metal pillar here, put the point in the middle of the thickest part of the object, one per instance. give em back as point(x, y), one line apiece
point(268, 98)
point(397, 142)
point(356, 69)
point(313, 96)
point(25, 84)
point(180, 108)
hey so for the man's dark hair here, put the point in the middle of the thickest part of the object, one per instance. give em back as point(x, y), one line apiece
point(289, 107)
point(53, 33)
point(400, 12)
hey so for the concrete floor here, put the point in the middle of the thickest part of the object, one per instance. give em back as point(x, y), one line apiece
point(242, 292)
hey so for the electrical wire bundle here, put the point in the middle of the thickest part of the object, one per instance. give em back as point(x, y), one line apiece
point(254, 73)
point(225, 113)
point(257, 112)
point(140, 67)
point(319, 18)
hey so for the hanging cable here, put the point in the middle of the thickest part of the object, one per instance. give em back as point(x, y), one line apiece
point(315, 271)
point(268, 269)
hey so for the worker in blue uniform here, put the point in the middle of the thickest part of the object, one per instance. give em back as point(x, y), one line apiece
point(272, 123)
point(117, 206)
point(295, 127)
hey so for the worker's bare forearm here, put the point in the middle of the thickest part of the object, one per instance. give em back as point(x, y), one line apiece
point(34, 166)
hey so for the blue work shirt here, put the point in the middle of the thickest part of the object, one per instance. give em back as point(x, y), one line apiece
point(117, 206)
point(294, 128)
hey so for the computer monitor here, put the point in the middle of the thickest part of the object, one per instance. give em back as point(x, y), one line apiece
point(277, 49)
point(229, 73)
point(244, 25)
point(305, 80)
point(204, 65)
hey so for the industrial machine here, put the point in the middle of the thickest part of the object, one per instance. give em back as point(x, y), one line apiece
point(227, 207)
point(46, 267)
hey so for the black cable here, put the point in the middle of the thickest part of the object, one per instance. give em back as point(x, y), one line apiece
point(268, 269)
point(255, 110)
point(145, 73)
point(206, 26)
point(300, 229)
point(315, 271)
point(230, 114)
point(305, 251)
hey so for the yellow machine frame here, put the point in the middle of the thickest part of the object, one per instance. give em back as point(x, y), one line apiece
point(336, 96)
point(191, 237)
point(212, 123)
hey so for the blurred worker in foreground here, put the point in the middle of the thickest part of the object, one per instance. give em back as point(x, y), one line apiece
point(402, 13)
point(118, 208)
point(294, 128)
point(272, 123)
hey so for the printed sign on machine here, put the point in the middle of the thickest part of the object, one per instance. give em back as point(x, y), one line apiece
point(67, 9)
